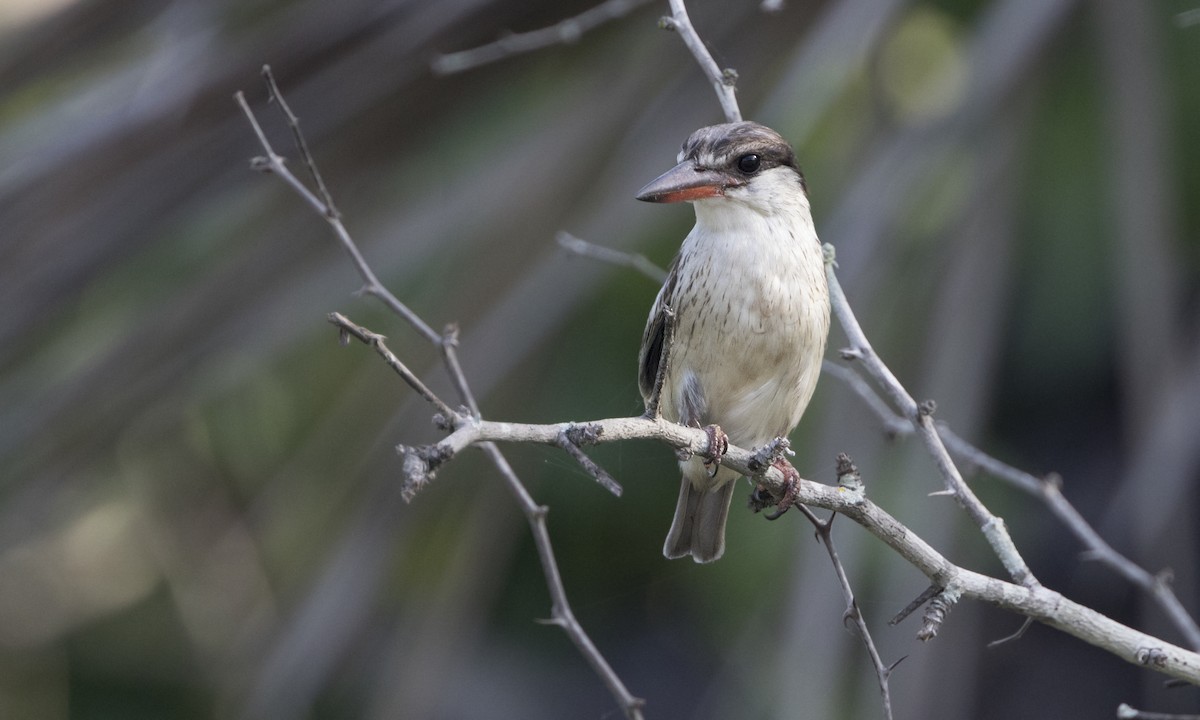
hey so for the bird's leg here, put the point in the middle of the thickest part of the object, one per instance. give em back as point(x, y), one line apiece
point(791, 481)
point(718, 445)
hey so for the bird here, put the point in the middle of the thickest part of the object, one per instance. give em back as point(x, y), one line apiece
point(748, 306)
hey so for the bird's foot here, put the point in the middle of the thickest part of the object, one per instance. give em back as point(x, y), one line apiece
point(718, 445)
point(762, 498)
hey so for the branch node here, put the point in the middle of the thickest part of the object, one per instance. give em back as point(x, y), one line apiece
point(666, 22)
point(935, 614)
point(1151, 656)
point(420, 467)
point(851, 353)
point(848, 476)
point(262, 164)
point(586, 434)
point(1053, 480)
point(446, 423)
point(764, 456)
point(829, 254)
point(450, 335)
point(729, 77)
point(927, 408)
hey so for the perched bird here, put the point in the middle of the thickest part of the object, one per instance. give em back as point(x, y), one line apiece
point(750, 309)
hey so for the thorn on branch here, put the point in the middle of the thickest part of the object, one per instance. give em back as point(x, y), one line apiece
point(851, 614)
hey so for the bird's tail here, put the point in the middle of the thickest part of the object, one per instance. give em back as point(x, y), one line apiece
point(699, 525)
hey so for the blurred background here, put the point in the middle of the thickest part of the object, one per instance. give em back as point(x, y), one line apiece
point(199, 507)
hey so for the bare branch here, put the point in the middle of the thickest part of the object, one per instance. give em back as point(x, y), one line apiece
point(723, 81)
point(564, 32)
point(273, 163)
point(561, 613)
point(1049, 491)
point(920, 416)
point(1033, 601)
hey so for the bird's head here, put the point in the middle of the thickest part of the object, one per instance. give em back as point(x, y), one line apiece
point(743, 163)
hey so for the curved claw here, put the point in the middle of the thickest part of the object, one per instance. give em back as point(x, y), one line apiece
point(718, 445)
point(791, 479)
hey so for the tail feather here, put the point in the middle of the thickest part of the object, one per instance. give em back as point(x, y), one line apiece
point(699, 525)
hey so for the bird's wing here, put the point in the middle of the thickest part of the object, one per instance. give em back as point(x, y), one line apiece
point(652, 339)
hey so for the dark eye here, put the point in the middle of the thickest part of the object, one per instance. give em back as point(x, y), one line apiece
point(749, 164)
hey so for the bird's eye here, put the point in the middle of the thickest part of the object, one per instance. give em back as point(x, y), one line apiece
point(749, 164)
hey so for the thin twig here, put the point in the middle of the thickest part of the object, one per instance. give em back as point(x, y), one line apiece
point(637, 261)
point(298, 137)
point(564, 32)
point(274, 163)
point(916, 603)
point(723, 81)
point(848, 477)
point(561, 613)
point(377, 341)
point(1013, 637)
